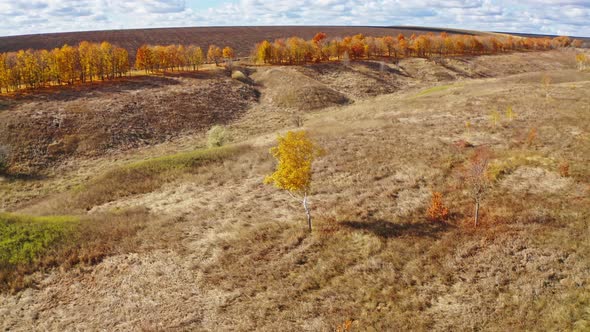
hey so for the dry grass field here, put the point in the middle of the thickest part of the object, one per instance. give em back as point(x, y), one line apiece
point(173, 235)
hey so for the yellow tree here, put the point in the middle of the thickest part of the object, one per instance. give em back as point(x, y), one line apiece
point(121, 60)
point(263, 51)
point(295, 154)
point(214, 54)
point(106, 57)
point(228, 53)
point(4, 73)
point(195, 57)
point(66, 64)
point(86, 60)
point(581, 60)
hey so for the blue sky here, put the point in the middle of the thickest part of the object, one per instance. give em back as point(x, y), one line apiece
point(568, 17)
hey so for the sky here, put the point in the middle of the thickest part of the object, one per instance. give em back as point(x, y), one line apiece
point(560, 17)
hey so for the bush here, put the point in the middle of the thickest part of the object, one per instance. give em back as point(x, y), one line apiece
point(238, 75)
point(217, 136)
point(564, 169)
point(437, 211)
point(4, 158)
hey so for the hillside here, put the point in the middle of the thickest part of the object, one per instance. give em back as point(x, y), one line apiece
point(167, 234)
point(241, 39)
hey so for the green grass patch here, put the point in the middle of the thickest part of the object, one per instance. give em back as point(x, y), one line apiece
point(507, 162)
point(146, 176)
point(29, 244)
point(23, 239)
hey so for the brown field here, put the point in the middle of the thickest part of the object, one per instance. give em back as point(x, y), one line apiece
point(208, 247)
point(241, 39)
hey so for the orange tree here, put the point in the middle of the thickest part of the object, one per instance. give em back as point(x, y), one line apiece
point(228, 53)
point(295, 154)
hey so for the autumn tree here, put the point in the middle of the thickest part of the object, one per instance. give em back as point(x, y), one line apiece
point(214, 54)
point(194, 57)
point(4, 73)
point(475, 177)
point(106, 61)
point(295, 154)
point(562, 41)
point(143, 58)
point(357, 46)
point(86, 56)
point(389, 43)
point(228, 53)
point(120, 62)
point(581, 61)
point(402, 44)
point(336, 49)
point(318, 43)
point(263, 51)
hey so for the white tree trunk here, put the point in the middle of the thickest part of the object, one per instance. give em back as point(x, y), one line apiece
point(307, 212)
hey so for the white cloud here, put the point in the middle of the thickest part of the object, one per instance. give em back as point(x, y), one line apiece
point(544, 16)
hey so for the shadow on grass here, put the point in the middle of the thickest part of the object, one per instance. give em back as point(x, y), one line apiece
point(387, 229)
point(23, 177)
point(85, 90)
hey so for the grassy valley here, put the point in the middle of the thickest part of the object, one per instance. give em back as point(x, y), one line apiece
point(137, 221)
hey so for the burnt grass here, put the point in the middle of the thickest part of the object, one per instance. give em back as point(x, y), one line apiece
point(44, 129)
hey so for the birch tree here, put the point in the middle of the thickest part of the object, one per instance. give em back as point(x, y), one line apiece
point(295, 154)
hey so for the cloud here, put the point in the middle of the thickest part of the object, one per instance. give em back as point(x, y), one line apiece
point(541, 16)
point(148, 6)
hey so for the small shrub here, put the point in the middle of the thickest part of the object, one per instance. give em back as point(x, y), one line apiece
point(468, 126)
point(509, 113)
point(437, 211)
point(4, 158)
point(345, 326)
point(494, 118)
point(564, 169)
point(531, 137)
point(297, 120)
point(238, 75)
point(217, 136)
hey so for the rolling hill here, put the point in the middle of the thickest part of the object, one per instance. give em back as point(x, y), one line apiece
point(241, 39)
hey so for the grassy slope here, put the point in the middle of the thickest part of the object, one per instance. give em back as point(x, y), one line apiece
point(29, 243)
point(239, 258)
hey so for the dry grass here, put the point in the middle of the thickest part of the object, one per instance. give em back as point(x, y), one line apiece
point(38, 244)
point(143, 177)
point(286, 88)
point(234, 254)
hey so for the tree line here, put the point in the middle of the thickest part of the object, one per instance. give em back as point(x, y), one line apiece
point(87, 62)
point(66, 65)
point(153, 58)
point(297, 50)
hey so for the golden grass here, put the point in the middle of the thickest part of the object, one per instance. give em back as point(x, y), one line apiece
point(146, 176)
point(238, 251)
